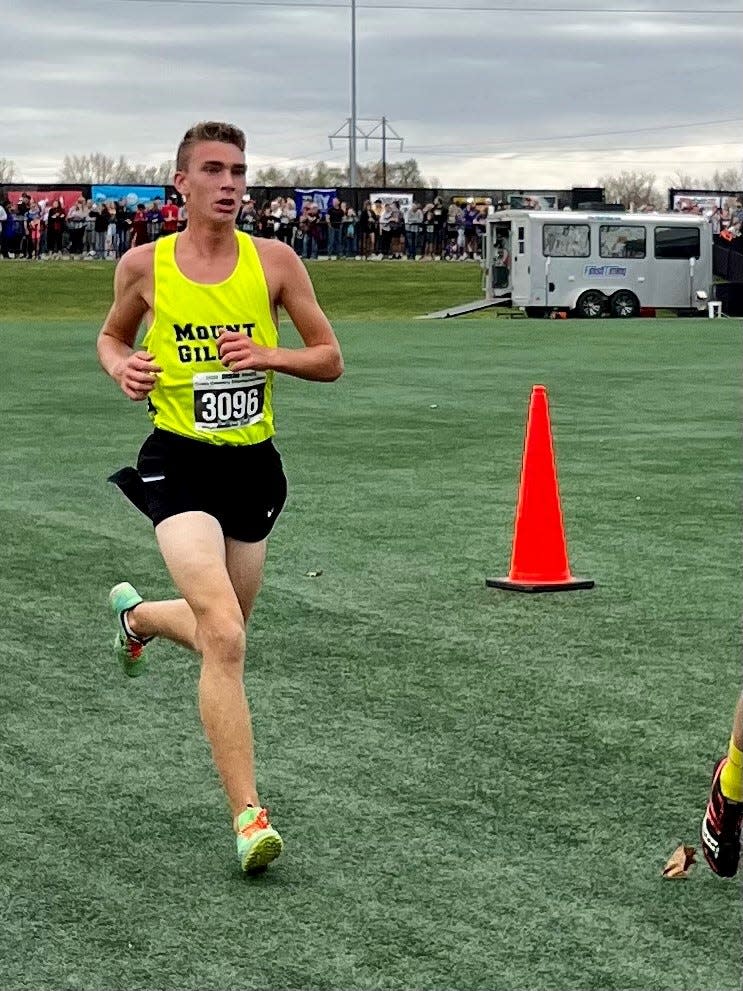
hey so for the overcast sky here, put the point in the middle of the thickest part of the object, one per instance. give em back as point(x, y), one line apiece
point(483, 97)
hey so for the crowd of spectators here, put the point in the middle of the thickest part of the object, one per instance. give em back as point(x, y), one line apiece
point(378, 230)
point(726, 219)
point(88, 229)
point(103, 229)
point(391, 229)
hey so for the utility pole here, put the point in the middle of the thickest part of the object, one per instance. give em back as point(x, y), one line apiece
point(384, 153)
point(352, 122)
point(378, 129)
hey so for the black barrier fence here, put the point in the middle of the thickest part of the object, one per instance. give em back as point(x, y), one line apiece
point(727, 264)
point(727, 261)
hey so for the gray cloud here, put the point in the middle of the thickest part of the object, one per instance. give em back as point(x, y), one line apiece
point(461, 87)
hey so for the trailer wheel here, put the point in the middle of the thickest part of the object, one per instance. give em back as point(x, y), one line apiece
point(535, 311)
point(590, 304)
point(624, 304)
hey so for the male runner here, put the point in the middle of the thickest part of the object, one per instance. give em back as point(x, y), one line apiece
point(209, 477)
point(722, 821)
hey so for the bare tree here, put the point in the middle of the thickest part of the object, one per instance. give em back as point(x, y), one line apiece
point(7, 170)
point(633, 189)
point(731, 179)
point(405, 173)
point(100, 168)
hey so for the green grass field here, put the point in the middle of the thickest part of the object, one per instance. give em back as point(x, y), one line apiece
point(477, 790)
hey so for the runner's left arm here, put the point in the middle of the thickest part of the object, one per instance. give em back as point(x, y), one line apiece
point(319, 360)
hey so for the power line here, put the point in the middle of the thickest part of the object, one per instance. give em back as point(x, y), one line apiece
point(585, 134)
point(288, 4)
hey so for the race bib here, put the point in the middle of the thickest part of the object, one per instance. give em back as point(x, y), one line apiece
point(223, 400)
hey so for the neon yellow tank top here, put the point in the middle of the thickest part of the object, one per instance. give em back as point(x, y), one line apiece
point(196, 396)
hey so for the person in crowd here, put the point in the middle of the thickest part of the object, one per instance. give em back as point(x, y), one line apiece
point(33, 230)
point(55, 229)
point(460, 234)
point(247, 217)
point(386, 224)
point(170, 215)
point(480, 227)
point(335, 222)
point(287, 215)
point(110, 250)
point(299, 231)
point(439, 225)
point(266, 223)
point(276, 205)
point(469, 216)
point(44, 206)
point(77, 219)
point(140, 231)
point(398, 231)
point(123, 226)
point(182, 216)
point(4, 207)
point(378, 208)
point(92, 211)
point(429, 232)
point(366, 229)
point(101, 224)
point(154, 220)
point(310, 224)
point(16, 228)
point(413, 231)
point(348, 229)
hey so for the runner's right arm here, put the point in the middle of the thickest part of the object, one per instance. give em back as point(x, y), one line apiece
point(135, 371)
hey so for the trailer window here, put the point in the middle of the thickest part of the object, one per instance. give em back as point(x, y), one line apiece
point(566, 240)
point(677, 242)
point(621, 241)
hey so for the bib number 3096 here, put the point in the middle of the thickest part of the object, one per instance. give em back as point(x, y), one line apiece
point(223, 400)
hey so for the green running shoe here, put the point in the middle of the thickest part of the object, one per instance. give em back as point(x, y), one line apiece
point(258, 843)
point(129, 652)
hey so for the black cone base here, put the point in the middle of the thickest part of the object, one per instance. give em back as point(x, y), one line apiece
point(572, 584)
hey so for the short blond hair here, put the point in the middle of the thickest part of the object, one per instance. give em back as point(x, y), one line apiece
point(207, 130)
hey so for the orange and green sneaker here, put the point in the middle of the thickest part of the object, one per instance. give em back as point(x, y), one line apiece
point(258, 843)
point(129, 650)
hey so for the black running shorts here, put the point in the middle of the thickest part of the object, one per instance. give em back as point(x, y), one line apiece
point(243, 487)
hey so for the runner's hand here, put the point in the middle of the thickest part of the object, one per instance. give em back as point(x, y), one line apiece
point(238, 352)
point(137, 375)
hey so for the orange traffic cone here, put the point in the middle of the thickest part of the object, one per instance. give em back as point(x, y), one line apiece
point(539, 559)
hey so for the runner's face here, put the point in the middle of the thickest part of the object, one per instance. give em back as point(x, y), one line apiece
point(214, 182)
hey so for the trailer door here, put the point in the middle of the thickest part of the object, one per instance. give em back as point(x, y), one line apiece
point(678, 274)
point(502, 257)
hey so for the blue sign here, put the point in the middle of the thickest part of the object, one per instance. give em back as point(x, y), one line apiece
point(322, 198)
point(605, 271)
point(132, 194)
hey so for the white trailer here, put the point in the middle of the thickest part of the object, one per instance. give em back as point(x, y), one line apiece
point(593, 263)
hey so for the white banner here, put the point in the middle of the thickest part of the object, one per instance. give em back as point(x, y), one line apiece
point(705, 204)
point(405, 200)
point(531, 201)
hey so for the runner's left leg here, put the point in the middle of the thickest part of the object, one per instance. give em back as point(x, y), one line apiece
point(174, 618)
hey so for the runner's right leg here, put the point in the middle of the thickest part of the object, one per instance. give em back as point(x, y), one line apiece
point(193, 548)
